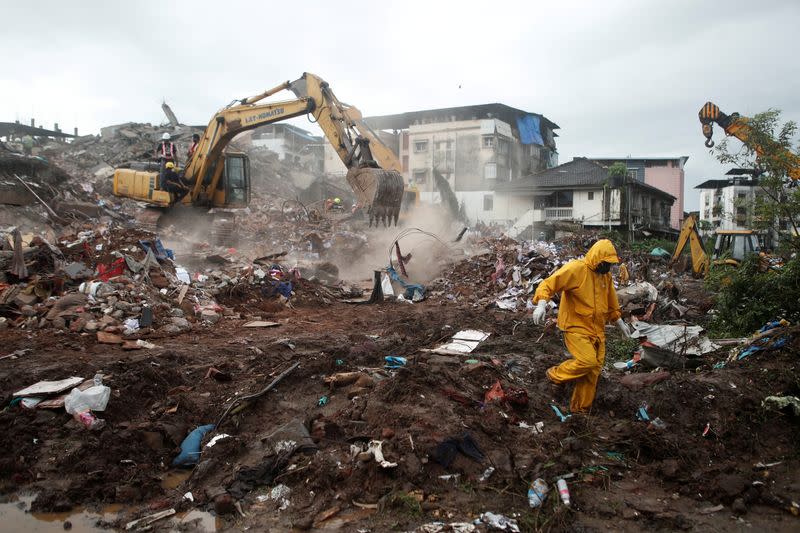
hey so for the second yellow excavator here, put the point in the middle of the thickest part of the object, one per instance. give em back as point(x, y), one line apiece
point(217, 177)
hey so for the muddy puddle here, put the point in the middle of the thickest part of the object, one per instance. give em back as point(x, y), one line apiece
point(15, 515)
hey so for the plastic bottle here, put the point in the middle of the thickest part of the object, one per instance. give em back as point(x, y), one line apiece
point(563, 491)
point(537, 492)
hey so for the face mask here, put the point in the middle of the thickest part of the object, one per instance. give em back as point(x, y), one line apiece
point(603, 268)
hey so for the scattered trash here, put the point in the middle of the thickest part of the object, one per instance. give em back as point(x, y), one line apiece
point(215, 439)
point(260, 324)
point(561, 416)
point(190, 447)
point(770, 337)
point(537, 492)
point(641, 413)
point(44, 388)
point(393, 362)
point(498, 522)
point(779, 403)
point(445, 452)
point(563, 491)
point(464, 341)
point(323, 401)
point(681, 339)
point(486, 474)
point(149, 519)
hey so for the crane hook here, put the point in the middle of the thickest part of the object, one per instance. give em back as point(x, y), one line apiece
point(709, 143)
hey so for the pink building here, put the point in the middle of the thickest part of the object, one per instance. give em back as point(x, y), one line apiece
point(665, 173)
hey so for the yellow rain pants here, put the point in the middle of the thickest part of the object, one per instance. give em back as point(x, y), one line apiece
point(588, 355)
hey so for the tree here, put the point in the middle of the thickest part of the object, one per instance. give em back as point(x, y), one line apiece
point(618, 170)
point(777, 209)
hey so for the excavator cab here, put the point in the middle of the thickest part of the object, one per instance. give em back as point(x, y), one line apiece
point(233, 188)
point(733, 246)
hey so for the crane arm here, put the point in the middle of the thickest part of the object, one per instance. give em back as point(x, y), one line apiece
point(738, 126)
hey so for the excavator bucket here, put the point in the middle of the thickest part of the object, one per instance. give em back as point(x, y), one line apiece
point(381, 191)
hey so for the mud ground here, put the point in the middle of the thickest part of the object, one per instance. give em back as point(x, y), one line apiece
point(628, 476)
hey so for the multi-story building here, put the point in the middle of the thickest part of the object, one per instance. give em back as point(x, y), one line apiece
point(664, 173)
point(727, 204)
point(474, 147)
point(581, 192)
point(292, 144)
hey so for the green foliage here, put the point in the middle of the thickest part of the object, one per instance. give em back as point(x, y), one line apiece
point(620, 349)
point(612, 235)
point(618, 170)
point(748, 298)
point(405, 503)
point(647, 245)
point(777, 206)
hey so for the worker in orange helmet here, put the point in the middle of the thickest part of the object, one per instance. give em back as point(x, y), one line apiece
point(588, 302)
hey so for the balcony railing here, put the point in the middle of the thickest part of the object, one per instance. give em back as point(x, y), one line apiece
point(558, 213)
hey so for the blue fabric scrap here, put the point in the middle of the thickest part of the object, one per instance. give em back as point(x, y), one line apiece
point(414, 291)
point(157, 246)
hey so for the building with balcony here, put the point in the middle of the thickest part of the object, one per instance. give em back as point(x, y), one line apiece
point(476, 148)
point(665, 173)
point(581, 192)
point(727, 203)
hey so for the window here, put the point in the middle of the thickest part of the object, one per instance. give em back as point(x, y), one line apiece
point(502, 146)
point(590, 195)
point(420, 146)
point(488, 141)
point(490, 171)
point(633, 173)
point(563, 199)
point(488, 202)
point(420, 176)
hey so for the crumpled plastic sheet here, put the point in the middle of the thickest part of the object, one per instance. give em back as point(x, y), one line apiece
point(680, 339)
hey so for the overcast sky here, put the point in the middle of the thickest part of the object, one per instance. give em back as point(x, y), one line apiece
point(618, 77)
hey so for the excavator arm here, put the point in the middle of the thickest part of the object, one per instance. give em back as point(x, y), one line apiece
point(691, 236)
point(738, 126)
point(373, 169)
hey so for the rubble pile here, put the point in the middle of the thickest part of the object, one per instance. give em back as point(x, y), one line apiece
point(248, 381)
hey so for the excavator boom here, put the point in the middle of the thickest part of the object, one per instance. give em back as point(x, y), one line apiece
point(691, 236)
point(373, 169)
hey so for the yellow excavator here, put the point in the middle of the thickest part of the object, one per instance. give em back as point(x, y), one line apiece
point(730, 247)
point(691, 236)
point(220, 178)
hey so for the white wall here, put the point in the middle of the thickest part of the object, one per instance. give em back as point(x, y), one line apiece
point(590, 211)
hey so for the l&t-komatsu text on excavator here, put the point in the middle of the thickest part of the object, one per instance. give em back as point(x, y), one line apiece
point(220, 178)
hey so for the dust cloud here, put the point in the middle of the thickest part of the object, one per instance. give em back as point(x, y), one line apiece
point(427, 251)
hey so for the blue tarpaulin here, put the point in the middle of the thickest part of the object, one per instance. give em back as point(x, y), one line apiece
point(529, 131)
point(414, 292)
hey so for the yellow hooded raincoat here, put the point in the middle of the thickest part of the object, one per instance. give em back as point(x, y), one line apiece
point(588, 302)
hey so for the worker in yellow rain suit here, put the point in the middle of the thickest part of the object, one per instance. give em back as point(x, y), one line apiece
point(588, 302)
